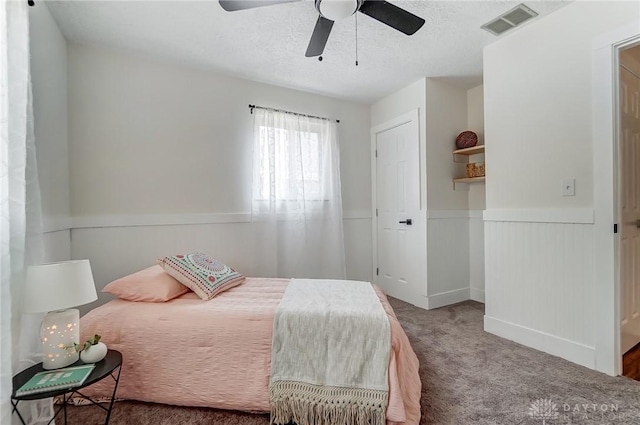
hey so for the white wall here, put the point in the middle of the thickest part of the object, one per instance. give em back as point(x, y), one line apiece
point(475, 123)
point(160, 143)
point(538, 106)
point(448, 221)
point(476, 256)
point(540, 287)
point(446, 118)
point(399, 103)
point(49, 85)
point(447, 258)
point(477, 196)
point(148, 137)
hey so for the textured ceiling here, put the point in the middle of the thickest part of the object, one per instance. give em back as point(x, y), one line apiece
point(267, 44)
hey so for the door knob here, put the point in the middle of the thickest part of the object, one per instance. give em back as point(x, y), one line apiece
point(408, 222)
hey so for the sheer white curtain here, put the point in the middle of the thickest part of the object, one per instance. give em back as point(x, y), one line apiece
point(296, 192)
point(20, 209)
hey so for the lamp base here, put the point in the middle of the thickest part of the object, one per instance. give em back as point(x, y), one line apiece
point(59, 331)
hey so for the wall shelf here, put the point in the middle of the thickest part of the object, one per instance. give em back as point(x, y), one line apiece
point(469, 179)
point(463, 182)
point(462, 155)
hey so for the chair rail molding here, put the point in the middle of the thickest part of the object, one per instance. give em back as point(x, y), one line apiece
point(541, 215)
point(135, 220)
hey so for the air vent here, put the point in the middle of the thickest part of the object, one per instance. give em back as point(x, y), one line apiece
point(510, 19)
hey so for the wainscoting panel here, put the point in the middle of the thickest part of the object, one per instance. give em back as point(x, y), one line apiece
point(448, 257)
point(118, 250)
point(455, 257)
point(57, 246)
point(357, 246)
point(540, 287)
point(476, 258)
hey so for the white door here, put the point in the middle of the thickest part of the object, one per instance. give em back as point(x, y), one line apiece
point(629, 192)
point(400, 224)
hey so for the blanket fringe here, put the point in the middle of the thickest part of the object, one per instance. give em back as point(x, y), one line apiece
point(308, 404)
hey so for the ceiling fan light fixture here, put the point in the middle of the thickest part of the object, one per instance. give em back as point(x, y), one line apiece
point(336, 10)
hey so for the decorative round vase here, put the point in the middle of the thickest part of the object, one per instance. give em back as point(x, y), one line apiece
point(466, 139)
point(94, 353)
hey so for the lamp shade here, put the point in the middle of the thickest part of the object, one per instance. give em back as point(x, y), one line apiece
point(58, 286)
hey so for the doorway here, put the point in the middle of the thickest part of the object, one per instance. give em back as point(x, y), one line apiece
point(605, 94)
point(629, 207)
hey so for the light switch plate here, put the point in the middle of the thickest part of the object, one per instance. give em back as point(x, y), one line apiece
point(568, 187)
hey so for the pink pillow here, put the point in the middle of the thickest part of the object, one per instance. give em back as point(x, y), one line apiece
point(152, 285)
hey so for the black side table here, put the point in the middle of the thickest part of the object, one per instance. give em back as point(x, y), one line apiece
point(105, 367)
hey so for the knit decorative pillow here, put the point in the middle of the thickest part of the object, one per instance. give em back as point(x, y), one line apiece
point(204, 275)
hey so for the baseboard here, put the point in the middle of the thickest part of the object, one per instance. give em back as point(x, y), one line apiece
point(421, 302)
point(477, 295)
point(447, 298)
point(564, 348)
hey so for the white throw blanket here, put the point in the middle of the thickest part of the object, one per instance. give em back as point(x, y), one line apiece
point(330, 354)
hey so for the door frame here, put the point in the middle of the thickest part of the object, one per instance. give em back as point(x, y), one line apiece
point(385, 126)
point(619, 175)
point(605, 119)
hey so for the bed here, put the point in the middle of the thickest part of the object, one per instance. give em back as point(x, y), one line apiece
point(217, 353)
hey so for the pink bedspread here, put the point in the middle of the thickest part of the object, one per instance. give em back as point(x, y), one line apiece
point(217, 353)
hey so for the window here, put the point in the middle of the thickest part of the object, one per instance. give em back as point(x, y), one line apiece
point(296, 194)
point(295, 157)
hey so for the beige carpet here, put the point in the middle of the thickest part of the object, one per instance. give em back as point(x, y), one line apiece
point(468, 377)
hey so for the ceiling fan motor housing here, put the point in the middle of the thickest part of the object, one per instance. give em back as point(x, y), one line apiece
point(336, 10)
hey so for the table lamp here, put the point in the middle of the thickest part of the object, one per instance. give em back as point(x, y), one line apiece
point(55, 288)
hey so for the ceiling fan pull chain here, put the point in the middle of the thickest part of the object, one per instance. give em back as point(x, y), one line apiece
point(356, 15)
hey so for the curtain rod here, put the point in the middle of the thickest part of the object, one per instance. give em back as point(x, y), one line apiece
point(252, 107)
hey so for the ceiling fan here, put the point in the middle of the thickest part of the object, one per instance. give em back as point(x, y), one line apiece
point(335, 10)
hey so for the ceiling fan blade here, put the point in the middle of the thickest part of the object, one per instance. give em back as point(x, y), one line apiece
point(319, 37)
point(233, 5)
point(393, 16)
